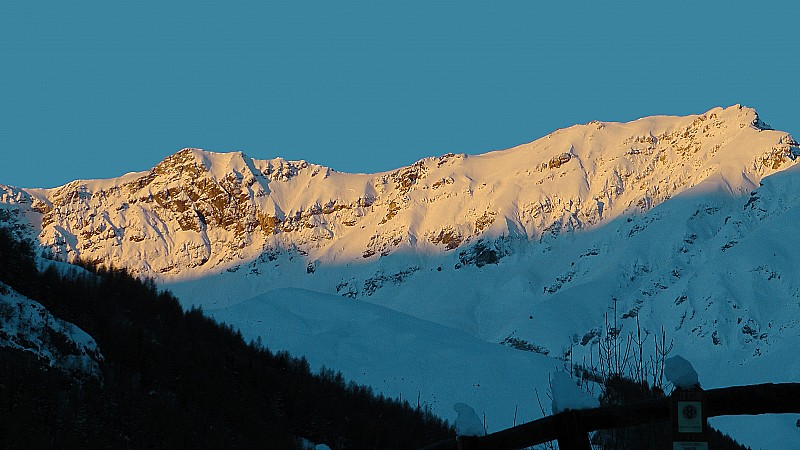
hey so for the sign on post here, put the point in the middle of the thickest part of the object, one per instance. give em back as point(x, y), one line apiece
point(690, 417)
point(688, 420)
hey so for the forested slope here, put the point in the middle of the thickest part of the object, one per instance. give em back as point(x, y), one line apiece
point(176, 379)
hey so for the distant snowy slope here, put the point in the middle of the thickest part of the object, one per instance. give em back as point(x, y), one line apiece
point(398, 355)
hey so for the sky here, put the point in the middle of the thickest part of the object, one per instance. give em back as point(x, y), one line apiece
point(95, 89)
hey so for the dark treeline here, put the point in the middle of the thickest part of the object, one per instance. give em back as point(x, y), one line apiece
point(177, 379)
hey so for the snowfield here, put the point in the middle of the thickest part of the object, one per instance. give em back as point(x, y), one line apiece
point(398, 355)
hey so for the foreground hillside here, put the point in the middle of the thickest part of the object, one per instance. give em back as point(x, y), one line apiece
point(173, 379)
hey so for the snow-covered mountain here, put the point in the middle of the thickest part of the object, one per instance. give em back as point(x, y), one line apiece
point(686, 221)
point(198, 211)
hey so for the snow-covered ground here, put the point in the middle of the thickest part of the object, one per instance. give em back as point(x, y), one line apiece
point(27, 326)
point(566, 394)
point(398, 355)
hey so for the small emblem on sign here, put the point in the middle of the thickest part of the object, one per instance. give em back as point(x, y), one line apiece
point(689, 412)
point(690, 418)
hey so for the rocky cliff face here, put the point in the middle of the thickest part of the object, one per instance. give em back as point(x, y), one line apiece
point(197, 211)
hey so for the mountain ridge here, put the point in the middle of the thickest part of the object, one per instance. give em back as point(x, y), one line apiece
point(197, 211)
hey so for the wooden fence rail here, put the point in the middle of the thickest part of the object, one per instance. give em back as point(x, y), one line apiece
point(570, 427)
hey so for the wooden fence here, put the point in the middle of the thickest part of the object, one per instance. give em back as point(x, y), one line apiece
point(570, 428)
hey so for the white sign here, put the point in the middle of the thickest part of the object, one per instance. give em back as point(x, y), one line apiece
point(690, 417)
point(690, 446)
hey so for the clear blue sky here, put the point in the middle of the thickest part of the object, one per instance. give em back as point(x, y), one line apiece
point(94, 89)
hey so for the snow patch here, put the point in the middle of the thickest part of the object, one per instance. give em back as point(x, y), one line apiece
point(680, 373)
point(467, 422)
point(568, 395)
point(27, 326)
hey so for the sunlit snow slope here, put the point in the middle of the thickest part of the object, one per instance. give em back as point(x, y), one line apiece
point(198, 211)
point(410, 280)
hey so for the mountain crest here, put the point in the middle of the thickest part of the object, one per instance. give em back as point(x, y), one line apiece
point(197, 210)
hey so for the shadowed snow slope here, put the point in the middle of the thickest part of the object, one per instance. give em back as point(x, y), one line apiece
point(27, 326)
point(398, 355)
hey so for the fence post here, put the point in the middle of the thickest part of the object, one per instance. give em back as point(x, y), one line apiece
point(468, 443)
point(570, 436)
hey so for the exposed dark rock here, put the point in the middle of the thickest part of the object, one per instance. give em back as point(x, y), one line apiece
point(559, 160)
